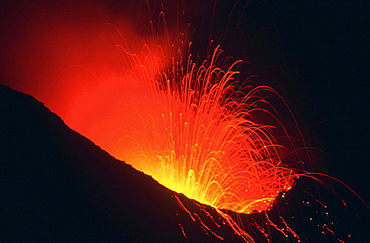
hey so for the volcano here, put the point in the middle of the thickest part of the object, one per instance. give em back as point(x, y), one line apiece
point(58, 186)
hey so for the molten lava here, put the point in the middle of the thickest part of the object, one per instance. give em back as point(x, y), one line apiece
point(149, 102)
point(189, 127)
point(142, 94)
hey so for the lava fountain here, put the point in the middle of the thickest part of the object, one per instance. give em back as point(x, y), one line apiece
point(191, 128)
point(194, 126)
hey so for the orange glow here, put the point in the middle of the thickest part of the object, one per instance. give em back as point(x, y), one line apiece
point(140, 92)
point(187, 126)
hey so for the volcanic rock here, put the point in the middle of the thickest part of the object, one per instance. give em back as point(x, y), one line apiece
point(58, 186)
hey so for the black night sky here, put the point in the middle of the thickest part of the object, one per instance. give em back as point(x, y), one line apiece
point(322, 49)
point(314, 53)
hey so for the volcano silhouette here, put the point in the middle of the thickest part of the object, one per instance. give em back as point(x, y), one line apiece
point(56, 185)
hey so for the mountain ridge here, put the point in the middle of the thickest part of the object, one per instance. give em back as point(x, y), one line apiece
point(59, 186)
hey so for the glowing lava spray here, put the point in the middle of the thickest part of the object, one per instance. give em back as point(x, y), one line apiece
point(193, 130)
point(193, 123)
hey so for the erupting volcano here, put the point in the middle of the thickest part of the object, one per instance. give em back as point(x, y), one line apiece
point(195, 123)
point(192, 130)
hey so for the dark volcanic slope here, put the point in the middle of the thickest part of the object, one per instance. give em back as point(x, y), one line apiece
point(56, 185)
